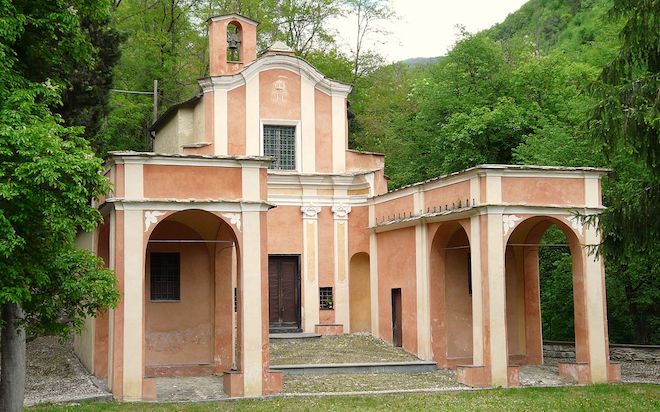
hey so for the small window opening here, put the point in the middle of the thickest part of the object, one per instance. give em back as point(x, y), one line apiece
point(233, 43)
point(280, 143)
point(165, 276)
point(326, 301)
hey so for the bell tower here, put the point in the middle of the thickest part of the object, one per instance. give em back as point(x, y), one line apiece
point(232, 43)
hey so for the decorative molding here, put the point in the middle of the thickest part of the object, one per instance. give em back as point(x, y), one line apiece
point(509, 222)
point(151, 217)
point(234, 219)
point(576, 222)
point(310, 211)
point(341, 211)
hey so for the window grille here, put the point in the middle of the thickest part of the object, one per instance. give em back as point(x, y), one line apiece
point(326, 300)
point(165, 276)
point(280, 143)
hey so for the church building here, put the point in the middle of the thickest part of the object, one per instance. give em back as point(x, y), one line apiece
point(252, 217)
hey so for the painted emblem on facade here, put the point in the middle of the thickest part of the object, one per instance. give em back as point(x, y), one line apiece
point(341, 211)
point(509, 222)
point(151, 217)
point(310, 211)
point(279, 93)
point(234, 219)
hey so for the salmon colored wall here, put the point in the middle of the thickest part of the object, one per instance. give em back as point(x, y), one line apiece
point(278, 103)
point(236, 121)
point(543, 190)
point(446, 195)
point(119, 181)
point(392, 208)
point(396, 269)
point(181, 332)
point(323, 122)
point(192, 182)
point(326, 248)
point(326, 316)
point(364, 161)
point(515, 300)
point(359, 293)
point(358, 230)
point(457, 297)
point(118, 326)
point(285, 230)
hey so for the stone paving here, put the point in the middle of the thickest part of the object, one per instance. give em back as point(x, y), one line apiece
point(202, 388)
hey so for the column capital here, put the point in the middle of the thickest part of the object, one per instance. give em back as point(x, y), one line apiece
point(310, 211)
point(341, 211)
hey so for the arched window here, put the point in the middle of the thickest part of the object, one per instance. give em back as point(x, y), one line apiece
point(233, 42)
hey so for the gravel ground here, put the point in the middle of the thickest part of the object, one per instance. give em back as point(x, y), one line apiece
point(352, 348)
point(54, 374)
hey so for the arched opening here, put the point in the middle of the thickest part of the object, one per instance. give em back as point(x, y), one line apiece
point(190, 277)
point(549, 239)
point(234, 39)
point(451, 296)
point(360, 293)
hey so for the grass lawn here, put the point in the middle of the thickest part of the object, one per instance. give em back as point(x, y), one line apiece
point(585, 398)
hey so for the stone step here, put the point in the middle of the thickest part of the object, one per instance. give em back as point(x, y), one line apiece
point(293, 336)
point(346, 368)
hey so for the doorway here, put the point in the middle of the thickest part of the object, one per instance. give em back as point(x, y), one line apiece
point(397, 327)
point(284, 293)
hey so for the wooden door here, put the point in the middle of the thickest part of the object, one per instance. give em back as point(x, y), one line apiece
point(284, 293)
point(397, 327)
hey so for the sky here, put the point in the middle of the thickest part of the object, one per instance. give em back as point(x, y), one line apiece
point(427, 28)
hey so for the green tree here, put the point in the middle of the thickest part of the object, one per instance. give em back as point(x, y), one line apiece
point(48, 175)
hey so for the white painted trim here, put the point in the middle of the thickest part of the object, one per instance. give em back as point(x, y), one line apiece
point(252, 114)
point(373, 274)
point(252, 302)
point(497, 303)
point(591, 197)
point(477, 296)
point(308, 120)
point(339, 134)
point(279, 122)
point(220, 120)
point(133, 181)
point(493, 189)
point(251, 188)
point(310, 277)
point(133, 342)
point(422, 288)
point(178, 204)
point(191, 160)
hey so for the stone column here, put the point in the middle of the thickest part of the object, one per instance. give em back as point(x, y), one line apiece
point(341, 297)
point(310, 282)
point(477, 299)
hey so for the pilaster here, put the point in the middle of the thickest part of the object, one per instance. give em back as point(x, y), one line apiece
point(310, 283)
point(342, 310)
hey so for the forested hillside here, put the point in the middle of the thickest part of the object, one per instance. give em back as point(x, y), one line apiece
point(530, 90)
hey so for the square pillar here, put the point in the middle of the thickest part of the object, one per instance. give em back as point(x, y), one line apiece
point(595, 311)
point(477, 299)
point(129, 326)
point(251, 300)
point(495, 311)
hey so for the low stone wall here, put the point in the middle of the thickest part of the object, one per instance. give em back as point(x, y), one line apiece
point(618, 353)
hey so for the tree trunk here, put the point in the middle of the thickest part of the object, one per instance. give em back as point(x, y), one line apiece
point(12, 376)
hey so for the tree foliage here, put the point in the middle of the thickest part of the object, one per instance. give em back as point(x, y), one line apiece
point(48, 176)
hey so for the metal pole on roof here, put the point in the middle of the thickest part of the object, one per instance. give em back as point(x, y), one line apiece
point(155, 100)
